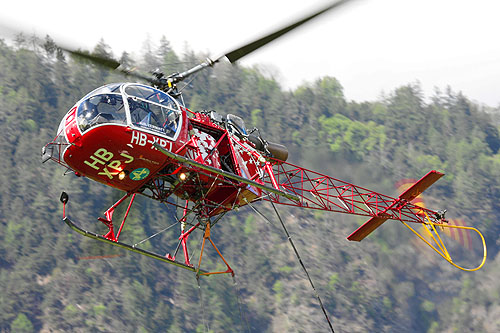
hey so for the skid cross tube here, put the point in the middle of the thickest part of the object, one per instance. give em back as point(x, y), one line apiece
point(108, 221)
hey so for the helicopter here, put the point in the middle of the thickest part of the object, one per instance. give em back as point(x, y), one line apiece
point(142, 139)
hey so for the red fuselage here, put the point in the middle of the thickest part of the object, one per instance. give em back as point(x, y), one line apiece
point(108, 136)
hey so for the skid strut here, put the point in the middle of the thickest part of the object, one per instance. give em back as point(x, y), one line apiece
point(108, 221)
point(114, 240)
point(184, 237)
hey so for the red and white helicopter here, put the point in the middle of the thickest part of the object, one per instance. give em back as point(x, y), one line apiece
point(142, 139)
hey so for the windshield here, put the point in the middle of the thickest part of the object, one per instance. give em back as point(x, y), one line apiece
point(101, 108)
point(130, 104)
point(153, 109)
point(109, 88)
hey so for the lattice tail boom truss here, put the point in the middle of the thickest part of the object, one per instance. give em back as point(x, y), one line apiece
point(322, 192)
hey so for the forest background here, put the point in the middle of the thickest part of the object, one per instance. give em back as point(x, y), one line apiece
point(387, 283)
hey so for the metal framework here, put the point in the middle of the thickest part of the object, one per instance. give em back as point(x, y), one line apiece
point(322, 192)
point(213, 192)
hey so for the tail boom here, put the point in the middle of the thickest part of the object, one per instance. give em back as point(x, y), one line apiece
point(318, 191)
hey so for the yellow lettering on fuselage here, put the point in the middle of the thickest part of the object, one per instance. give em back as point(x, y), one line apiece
point(102, 159)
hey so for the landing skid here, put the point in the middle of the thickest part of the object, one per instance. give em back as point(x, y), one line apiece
point(129, 247)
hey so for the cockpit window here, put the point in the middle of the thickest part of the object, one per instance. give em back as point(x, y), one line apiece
point(109, 88)
point(153, 116)
point(130, 104)
point(153, 109)
point(151, 95)
point(102, 108)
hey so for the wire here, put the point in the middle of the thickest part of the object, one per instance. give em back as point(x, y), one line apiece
point(156, 234)
point(205, 324)
point(238, 297)
point(303, 267)
point(299, 258)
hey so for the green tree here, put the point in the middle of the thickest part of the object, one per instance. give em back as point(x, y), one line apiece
point(22, 324)
point(351, 137)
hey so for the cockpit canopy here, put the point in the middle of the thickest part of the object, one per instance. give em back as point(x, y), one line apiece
point(130, 104)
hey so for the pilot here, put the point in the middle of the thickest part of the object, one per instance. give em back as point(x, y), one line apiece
point(142, 115)
point(137, 113)
point(87, 112)
point(90, 114)
point(171, 121)
point(110, 108)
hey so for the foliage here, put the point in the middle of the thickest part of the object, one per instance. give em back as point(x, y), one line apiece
point(383, 284)
point(351, 137)
point(22, 324)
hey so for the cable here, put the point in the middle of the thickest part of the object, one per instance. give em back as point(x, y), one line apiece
point(238, 296)
point(156, 234)
point(296, 254)
point(205, 324)
point(303, 267)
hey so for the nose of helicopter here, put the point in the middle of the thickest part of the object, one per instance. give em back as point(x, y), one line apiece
point(54, 149)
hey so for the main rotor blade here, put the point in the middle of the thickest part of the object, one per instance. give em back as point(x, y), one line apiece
point(109, 63)
point(242, 51)
point(103, 61)
point(106, 62)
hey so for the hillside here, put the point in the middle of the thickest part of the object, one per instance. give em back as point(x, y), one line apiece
point(387, 283)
